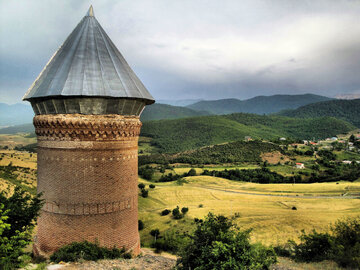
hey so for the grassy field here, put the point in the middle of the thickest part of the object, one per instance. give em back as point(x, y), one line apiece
point(266, 208)
point(271, 217)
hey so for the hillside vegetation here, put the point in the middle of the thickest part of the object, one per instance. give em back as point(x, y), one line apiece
point(164, 111)
point(238, 151)
point(348, 110)
point(258, 105)
point(179, 135)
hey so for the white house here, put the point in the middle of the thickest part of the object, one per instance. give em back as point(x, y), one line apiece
point(299, 166)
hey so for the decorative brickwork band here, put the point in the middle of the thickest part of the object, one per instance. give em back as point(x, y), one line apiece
point(89, 208)
point(86, 127)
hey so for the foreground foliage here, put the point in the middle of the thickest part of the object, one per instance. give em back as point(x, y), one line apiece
point(218, 244)
point(87, 251)
point(341, 244)
point(18, 214)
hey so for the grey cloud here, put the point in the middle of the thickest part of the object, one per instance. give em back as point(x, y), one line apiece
point(197, 49)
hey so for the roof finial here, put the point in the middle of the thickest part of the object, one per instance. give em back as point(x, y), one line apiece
point(90, 12)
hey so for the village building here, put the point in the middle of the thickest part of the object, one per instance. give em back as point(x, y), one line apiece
point(299, 166)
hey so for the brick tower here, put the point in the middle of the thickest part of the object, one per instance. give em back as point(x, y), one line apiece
point(87, 102)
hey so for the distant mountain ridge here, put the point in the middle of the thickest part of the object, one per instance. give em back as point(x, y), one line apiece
point(15, 114)
point(348, 110)
point(21, 113)
point(257, 105)
point(164, 111)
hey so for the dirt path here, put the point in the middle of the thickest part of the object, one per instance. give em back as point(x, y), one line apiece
point(279, 195)
point(147, 261)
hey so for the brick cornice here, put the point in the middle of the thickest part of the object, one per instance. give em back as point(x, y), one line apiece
point(86, 127)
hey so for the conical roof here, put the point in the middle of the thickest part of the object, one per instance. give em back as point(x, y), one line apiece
point(88, 64)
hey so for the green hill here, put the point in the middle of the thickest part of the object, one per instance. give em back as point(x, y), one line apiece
point(25, 128)
point(258, 105)
point(190, 133)
point(164, 111)
point(238, 151)
point(348, 110)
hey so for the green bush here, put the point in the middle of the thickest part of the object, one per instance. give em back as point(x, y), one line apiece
point(346, 248)
point(141, 186)
point(165, 212)
point(18, 214)
point(140, 225)
point(218, 244)
point(176, 213)
point(184, 210)
point(171, 242)
point(86, 251)
point(341, 244)
point(313, 247)
point(151, 186)
point(144, 193)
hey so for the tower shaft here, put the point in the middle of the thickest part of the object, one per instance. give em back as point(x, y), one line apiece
point(87, 172)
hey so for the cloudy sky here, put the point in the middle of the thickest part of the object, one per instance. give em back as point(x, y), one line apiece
point(189, 49)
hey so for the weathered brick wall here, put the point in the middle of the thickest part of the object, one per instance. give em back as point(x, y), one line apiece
point(87, 171)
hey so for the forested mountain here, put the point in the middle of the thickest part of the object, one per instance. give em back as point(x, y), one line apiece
point(348, 110)
point(15, 114)
point(164, 111)
point(190, 133)
point(238, 151)
point(258, 105)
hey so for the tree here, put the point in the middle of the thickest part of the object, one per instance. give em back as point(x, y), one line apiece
point(151, 186)
point(191, 172)
point(144, 193)
point(141, 186)
point(155, 233)
point(18, 214)
point(218, 244)
point(184, 210)
point(176, 213)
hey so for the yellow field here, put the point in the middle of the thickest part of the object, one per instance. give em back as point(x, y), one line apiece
point(259, 206)
point(271, 217)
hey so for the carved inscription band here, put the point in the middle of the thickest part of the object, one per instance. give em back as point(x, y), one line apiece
point(89, 208)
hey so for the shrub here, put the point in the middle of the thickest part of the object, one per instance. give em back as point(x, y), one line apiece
point(141, 186)
point(144, 193)
point(165, 212)
point(151, 186)
point(191, 172)
point(313, 247)
point(171, 242)
point(86, 251)
point(140, 225)
point(346, 248)
point(18, 214)
point(201, 205)
point(184, 210)
point(146, 172)
point(176, 213)
point(341, 244)
point(218, 244)
point(293, 208)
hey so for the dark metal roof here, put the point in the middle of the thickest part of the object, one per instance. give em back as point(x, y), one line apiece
point(88, 64)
